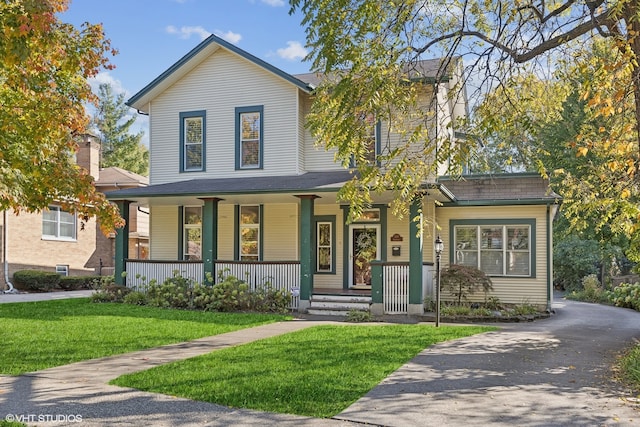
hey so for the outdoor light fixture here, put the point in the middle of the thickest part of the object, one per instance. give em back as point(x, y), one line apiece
point(439, 247)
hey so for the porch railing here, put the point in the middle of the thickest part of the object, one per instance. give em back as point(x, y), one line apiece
point(395, 286)
point(281, 275)
point(141, 272)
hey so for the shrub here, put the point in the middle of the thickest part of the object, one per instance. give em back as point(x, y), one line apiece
point(591, 291)
point(36, 280)
point(135, 298)
point(232, 294)
point(110, 293)
point(463, 281)
point(69, 283)
point(626, 295)
point(268, 299)
point(359, 316)
point(173, 292)
point(573, 259)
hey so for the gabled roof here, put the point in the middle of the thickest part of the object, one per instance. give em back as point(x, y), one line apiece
point(117, 177)
point(500, 189)
point(195, 57)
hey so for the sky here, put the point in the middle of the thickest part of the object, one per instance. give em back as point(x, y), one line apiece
point(152, 35)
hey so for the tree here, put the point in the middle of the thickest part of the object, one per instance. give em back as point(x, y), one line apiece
point(119, 147)
point(372, 47)
point(43, 73)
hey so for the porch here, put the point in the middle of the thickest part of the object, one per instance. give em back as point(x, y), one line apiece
point(389, 292)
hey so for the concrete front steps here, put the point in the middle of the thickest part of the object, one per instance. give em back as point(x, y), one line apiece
point(338, 305)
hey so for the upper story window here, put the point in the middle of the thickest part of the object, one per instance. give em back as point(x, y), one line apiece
point(58, 224)
point(192, 141)
point(496, 249)
point(371, 138)
point(249, 137)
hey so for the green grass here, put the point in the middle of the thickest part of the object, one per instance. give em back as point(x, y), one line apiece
point(629, 366)
point(39, 335)
point(315, 372)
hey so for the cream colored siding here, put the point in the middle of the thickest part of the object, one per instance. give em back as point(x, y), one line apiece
point(218, 85)
point(164, 231)
point(514, 290)
point(332, 280)
point(225, 231)
point(280, 232)
point(316, 158)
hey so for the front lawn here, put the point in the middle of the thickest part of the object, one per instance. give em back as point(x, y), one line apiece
point(315, 372)
point(39, 335)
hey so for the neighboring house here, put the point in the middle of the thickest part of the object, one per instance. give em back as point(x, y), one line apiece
point(237, 185)
point(54, 240)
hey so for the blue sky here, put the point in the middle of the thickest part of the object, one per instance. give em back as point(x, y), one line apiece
point(151, 35)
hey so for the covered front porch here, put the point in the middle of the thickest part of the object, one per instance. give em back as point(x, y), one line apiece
point(295, 239)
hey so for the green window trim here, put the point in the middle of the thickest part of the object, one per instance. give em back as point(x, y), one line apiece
point(240, 112)
point(184, 150)
point(377, 145)
point(506, 224)
point(331, 221)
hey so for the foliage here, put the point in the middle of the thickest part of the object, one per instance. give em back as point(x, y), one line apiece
point(274, 375)
point(629, 366)
point(110, 293)
point(43, 90)
point(135, 298)
point(359, 316)
point(462, 281)
point(592, 291)
point(119, 147)
point(173, 292)
point(626, 295)
point(574, 259)
point(368, 50)
point(5, 423)
point(59, 332)
point(36, 280)
point(69, 283)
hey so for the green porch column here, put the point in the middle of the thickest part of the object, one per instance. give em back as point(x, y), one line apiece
point(122, 243)
point(306, 250)
point(415, 257)
point(209, 235)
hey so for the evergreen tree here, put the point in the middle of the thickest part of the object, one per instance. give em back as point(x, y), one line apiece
point(119, 147)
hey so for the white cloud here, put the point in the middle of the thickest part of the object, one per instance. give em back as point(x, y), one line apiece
point(274, 3)
point(187, 32)
point(105, 77)
point(229, 36)
point(293, 51)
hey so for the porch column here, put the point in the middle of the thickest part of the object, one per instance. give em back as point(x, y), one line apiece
point(209, 236)
point(416, 306)
point(122, 243)
point(306, 250)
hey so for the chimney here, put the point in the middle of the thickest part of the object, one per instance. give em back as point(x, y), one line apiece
point(88, 155)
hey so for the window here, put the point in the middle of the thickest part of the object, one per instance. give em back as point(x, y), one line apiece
point(250, 233)
point(498, 250)
point(62, 270)
point(249, 140)
point(192, 232)
point(58, 224)
point(192, 141)
point(325, 244)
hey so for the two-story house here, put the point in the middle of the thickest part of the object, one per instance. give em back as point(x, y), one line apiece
point(55, 240)
point(237, 185)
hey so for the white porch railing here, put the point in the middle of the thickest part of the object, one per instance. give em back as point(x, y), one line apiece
point(395, 286)
point(282, 275)
point(141, 272)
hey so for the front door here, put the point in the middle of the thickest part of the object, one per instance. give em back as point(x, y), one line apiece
point(364, 246)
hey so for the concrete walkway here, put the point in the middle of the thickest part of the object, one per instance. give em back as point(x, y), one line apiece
point(553, 372)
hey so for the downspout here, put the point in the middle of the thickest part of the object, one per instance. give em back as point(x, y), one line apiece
point(4, 255)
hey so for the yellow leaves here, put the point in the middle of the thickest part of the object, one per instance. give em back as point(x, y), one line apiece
point(582, 151)
point(625, 193)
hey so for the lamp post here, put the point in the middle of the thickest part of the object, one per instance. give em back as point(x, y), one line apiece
point(439, 247)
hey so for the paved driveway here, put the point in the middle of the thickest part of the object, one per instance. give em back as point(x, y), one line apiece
point(552, 372)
